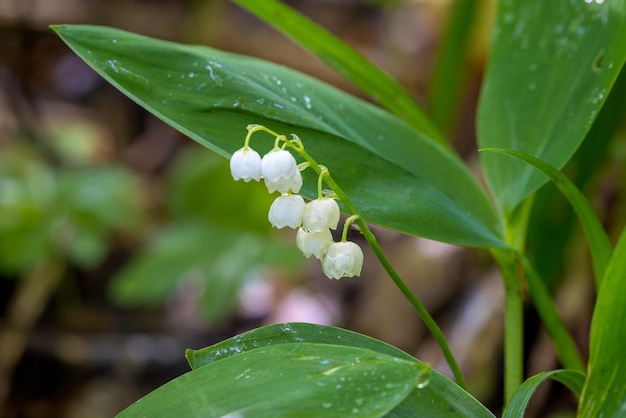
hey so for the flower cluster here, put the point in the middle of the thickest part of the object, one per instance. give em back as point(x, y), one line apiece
point(314, 219)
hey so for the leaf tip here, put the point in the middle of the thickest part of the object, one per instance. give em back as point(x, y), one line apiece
point(189, 355)
point(55, 28)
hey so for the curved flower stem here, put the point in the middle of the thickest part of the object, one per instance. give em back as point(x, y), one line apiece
point(324, 175)
point(346, 227)
point(371, 240)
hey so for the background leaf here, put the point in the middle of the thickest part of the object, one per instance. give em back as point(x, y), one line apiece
point(287, 380)
point(211, 223)
point(603, 394)
point(450, 72)
point(394, 175)
point(551, 67)
point(440, 397)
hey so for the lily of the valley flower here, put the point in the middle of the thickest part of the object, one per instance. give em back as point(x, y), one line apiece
point(314, 220)
point(287, 210)
point(280, 172)
point(321, 214)
point(314, 243)
point(342, 259)
point(246, 164)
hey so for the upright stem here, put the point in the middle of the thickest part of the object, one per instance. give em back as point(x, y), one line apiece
point(512, 275)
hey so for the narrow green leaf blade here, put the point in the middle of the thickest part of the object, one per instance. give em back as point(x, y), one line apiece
point(394, 175)
point(440, 396)
point(604, 394)
point(345, 60)
point(450, 71)
point(551, 67)
point(516, 406)
point(287, 380)
point(599, 243)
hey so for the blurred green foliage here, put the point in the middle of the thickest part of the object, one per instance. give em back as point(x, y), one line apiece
point(58, 203)
point(216, 237)
point(66, 212)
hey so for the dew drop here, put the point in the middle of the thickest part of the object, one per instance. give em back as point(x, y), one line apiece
point(307, 102)
point(113, 65)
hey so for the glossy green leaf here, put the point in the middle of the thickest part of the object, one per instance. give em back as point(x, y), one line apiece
point(604, 394)
point(440, 397)
point(550, 69)
point(287, 380)
point(598, 241)
point(345, 60)
point(516, 406)
point(394, 175)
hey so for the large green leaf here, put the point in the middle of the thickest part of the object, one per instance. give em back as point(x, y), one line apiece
point(287, 380)
point(604, 394)
point(394, 175)
point(551, 67)
point(440, 397)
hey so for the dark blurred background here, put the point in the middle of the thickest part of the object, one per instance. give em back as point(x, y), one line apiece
point(122, 243)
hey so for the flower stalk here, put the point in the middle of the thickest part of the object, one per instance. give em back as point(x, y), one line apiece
point(345, 258)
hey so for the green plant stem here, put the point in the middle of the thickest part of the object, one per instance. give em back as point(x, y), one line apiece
point(417, 305)
point(371, 240)
point(512, 275)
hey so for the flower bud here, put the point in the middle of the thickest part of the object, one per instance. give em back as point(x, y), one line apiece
point(246, 164)
point(342, 259)
point(321, 214)
point(280, 172)
point(287, 210)
point(313, 243)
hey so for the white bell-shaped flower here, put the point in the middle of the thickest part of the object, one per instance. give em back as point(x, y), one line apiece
point(280, 172)
point(313, 243)
point(246, 164)
point(287, 210)
point(342, 259)
point(321, 214)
